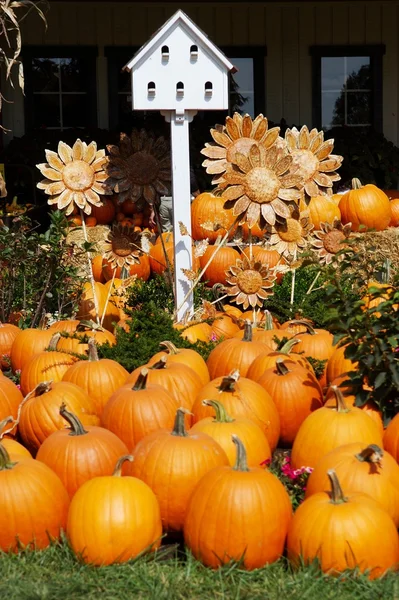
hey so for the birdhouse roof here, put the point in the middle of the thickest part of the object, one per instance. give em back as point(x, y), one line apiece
point(157, 37)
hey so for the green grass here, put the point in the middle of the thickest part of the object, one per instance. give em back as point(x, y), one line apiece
point(56, 574)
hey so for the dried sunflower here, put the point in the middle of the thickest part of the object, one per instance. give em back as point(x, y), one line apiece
point(238, 134)
point(330, 240)
point(260, 186)
point(289, 237)
point(75, 176)
point(124, 246)
point(139, 167)
point(250, 282)
point(312, 159)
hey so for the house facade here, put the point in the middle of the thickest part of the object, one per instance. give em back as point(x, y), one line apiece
point(321, 63)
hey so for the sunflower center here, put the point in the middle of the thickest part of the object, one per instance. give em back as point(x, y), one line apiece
point(304, 164)
point(78, 175)
point(142, 168)
point(291, 231)
point(261, 185)
point(249, 281)
point(121, 245)
point(333, 241)
point(242, 145)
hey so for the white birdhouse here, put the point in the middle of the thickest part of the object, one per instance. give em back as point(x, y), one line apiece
point(179, 68)
point(179, 71)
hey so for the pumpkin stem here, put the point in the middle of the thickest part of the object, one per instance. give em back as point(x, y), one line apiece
point(309, 328)
point(372, 454)
point(247, 337)
point(221, 415)
point(241, 463)
point(269, 325)
point(228, 383)
point(339, 397)
point(356, 184)
point(93, 354)
point(288, 346)
point(179, 428)
point(161, 363)
point(3, 423)
point(5, 460)
point(118, 467)
point(281, 367)
point(42, 388)
point(43, 323)
point(76, 425)
point(337, 495)
point(141, 381)
point(54, 341)
point(171, 348)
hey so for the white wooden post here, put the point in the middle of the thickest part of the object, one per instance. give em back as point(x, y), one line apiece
point(179, 135)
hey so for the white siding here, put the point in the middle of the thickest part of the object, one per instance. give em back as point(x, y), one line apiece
point(287, 29)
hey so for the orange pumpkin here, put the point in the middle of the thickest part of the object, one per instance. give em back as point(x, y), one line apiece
point(391, 437)
point(97, 266)
point(65, 326)
point(323, 210)
point(14, 448)
point(27, 343)
point(267, 360)
point(105, 213)
point(224, 327)
point(87, 306)
point(366, 207)
point(268, 257)
point(317, 343)
point(319, 530)
point(209, 218)
point(221, 257)
point(394, 205)
point(227, 521)
point(141, 269)
point(10, 398)
point(338, 364)
point(196, 332)
point(113, 519)
point(186, 356)
point(8, 333)
point(172, 463)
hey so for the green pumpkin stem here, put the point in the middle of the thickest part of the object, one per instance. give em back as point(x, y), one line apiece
point(372, 454)
point(309, 328)
point(141, 381)
point(118, 467)
point(337, 495)
point(74, 422)
point(288, 346)
point(53, 342)
point(179, 427)
point(269, 325)
point(281, 367)
point(93, 354)
point(221, 415)
point(171, 348)
point(356, 184)
point(161, 363)
point(241, 463)
point(5, 460)
point(340, 400)
point(229, 382)
point(247, 337)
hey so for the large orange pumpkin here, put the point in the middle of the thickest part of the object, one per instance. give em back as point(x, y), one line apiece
point(10, 398)
point(394, 205)
point(268, 257)
point(338, 364)
point(141, 269)
point(28, 343)
point(113, 519)
point(80, 453)
point(8, 333)
point(322, 210)
point(186, 356)
point(172, 463)
point(227, 521)
point(14, 448)
point(65, 326)
point(343, 531)
point(267, 360)
point(33, 503)
point(105, 213)
point(97, 267)
point(391, 437)
point(221, 259)
point(366, 207)
point(209, 218)
point(317, 343)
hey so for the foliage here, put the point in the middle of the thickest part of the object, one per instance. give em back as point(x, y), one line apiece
point(34, 277)
point(318, 365)
point(370, 333)
point(149, 326)
point(294, 480)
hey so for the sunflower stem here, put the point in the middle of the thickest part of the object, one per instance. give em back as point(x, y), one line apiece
point(108, 297)
point(293, 282)
point(241, 463)
point(337, 495)
point(118, 467)
point(311, 287)
point(74, 422)
point(91, 276)
point(221, 415)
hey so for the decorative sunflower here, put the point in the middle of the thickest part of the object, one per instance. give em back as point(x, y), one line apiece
point(330, 240)
point(260, 186)
point(75, 176)
point(124, 246)
point(238, 134)
point(139, 167)
point(312, 159)
point(249, 281)
point(289, 237)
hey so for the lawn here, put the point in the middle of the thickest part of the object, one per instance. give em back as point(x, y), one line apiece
point(55, 574)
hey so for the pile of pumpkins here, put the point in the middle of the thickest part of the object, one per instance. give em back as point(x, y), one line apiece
point(179, 445)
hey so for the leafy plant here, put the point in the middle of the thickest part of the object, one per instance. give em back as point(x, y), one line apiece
point(294, 480)
point(369, 331)
point(34, 275)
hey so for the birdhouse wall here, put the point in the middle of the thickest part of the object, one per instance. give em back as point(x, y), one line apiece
point(179, 74)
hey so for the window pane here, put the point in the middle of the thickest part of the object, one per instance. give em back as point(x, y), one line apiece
point(358, 73)
point(46, 111)
point(332, 73)
point(358, 108)
point(45, 74)
point(74, 76)
point(332, 109)
point(242, 86)
point(75, 110)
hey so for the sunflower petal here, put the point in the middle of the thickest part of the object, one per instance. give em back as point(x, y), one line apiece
point(312, 134)
point(64, 152)
point(214, 151)
point(101, 176)
point(56, 187)
point(90, 153)
point(64, 199)
point(254, 155)
point(291, 140)
point(270, 137)
point(43, 184)
point(311, 188)
point(318, 244)
point(334, 176)
point(54, 160)
point(99, 163)
point(234, 178)
point(232, 129)
point(161, 188)
point(253, 214)
point(290, 195)
point(246, 126)
point(281, 209)
point(259, 128)
point(283, 165)
point(149, 193)
point(49, 172)
point(233, 192)
point(221, 138)
point(241, 205)
point(303, 139)
point(316, 142)
point(289, 181)
point(215, 167)
point(322, 179)
point(77, 150)
point(270, 158)
point(101, 188)
point(329, 165)
point(268, 214)
point(92, 197)
point(325, 149)
point(242, 162)
point(122, 185)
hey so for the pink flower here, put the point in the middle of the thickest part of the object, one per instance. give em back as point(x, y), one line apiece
point(265, 463)
point(18, 386)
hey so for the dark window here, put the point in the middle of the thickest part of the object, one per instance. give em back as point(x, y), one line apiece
point(347, 86)
point(60, 88)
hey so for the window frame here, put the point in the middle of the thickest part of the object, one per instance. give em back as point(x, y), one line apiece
point(375, 52)
point(87, 53)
